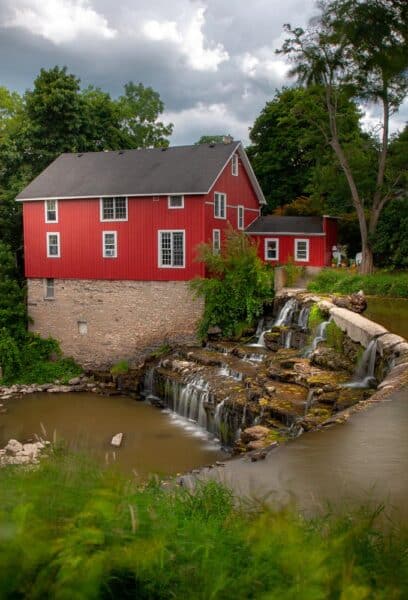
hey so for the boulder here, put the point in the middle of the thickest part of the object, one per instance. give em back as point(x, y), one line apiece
point(13, 447)
point(254, 433)
point(354, 302)
point(117, 440)
point(328, 358)
point(74, 381)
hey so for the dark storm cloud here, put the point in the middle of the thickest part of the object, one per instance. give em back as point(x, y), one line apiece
point(212, 61)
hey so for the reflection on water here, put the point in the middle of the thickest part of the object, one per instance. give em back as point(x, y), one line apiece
point(391, 313)
point(154, 442)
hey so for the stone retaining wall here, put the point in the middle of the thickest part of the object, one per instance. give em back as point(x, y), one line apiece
point(98, 322)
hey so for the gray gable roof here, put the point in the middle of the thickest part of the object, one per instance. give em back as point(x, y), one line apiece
point(276, 224)
point(144, 172)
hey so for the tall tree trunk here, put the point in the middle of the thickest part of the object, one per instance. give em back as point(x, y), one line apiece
point(367, 263)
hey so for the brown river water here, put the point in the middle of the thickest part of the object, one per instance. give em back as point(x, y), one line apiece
point(392, 313)
point(154, 441)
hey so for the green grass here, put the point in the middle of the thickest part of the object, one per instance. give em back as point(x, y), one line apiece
point(70, 530)
point(345, 282)
point(315, 317)
point(334, 337)
point(120, 368)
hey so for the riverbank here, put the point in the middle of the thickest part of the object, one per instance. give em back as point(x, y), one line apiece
point(71, 529)
point(345, 281)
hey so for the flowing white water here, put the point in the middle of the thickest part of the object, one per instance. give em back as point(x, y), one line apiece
point(364, 375)
point(284, 317)
point(303, 317)
point(320, 336)
point(288, 338)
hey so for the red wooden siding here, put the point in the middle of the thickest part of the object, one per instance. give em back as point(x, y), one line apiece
point(81, 230)
point(317, 249)
point(330, 227)
point(239, 192)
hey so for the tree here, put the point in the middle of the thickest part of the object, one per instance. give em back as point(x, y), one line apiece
point(213, 139)
point(358, 48)
point(139, 110)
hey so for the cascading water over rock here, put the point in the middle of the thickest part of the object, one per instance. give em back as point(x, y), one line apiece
point(365, 373)
point(284, 317)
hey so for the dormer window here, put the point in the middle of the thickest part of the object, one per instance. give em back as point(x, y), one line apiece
point(175, 201)
point(114, 209)
point(51, 211)
point(234, 165)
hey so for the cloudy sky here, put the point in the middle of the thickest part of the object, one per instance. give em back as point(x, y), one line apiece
point(212, 61)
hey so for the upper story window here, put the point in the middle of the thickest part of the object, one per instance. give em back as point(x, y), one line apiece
point(110, 244)
point(271, 249)
point(175, 201)
point(220, 205)
point(240, 219)
point(51, 211)
point(216, 241)
point(234, 165)
point(171, 249)
point(114, 209)
point(53, 245)
point(302, 250)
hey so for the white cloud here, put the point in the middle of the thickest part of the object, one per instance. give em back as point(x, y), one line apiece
point(59, 21)
point(206, 119)
point(190, 39)
point(263, 65)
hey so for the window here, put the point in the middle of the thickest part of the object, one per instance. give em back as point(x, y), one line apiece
point(49, 291)
point(51, 211)
point(110, 246)
point(234, 165)
point(302, 250)
point(53, 245)
point(171, 249)
point(240, 220)
point(216, 241)
point(114, 209)
point(271, 249)
point(220, 203)
point(175, 202)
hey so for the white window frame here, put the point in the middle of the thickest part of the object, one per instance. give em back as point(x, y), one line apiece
point(46, 296)
point(46, 211)
point(297, 240)
point(223, 197)
point(235, 165)
point(241, 217)
point(159, 248)
point(48, 244)
point(175, 196)
point(216, 241)
point(276, 240)
point(115, 237)
point(114, 198)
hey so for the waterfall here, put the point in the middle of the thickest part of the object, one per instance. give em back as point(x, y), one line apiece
point(285, 315)
point(364, 374)
point(319, 337)
point(288, 338)
point(226, 371)
point(309, 401)
point(259, 328)
point(303, 317)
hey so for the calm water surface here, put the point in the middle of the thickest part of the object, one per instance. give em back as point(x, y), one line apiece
point(392, 313)
point(154, 441)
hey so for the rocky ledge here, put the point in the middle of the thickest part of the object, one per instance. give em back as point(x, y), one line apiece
point(16, 453)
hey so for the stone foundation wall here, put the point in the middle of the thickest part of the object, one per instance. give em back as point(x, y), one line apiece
point(98, 322)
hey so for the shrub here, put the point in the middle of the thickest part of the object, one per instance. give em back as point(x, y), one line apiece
point(73, 530)
point(344, 282)
point(237, 287)
point(315, 317)
point(334, 336)
point(292, 271)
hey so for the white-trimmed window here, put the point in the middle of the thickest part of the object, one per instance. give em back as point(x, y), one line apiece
point(271, 249)
point(51, 211)
point(240, 218)
point(175, 201)
point(49, 289)
point(110, 244)
point(114, 209)
point(220, 205)
point(171, 248)
point(302, 250)
point(53, 245)
point(216, 241)
point(234, 165)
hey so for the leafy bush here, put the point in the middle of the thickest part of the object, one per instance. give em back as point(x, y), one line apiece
point(315, 317)
point(237, 287)
point(292, 271)
point(72, 530)
point(342, 281)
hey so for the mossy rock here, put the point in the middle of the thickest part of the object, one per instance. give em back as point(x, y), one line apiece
point(350, 396)
point(329, 358)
